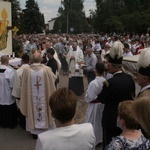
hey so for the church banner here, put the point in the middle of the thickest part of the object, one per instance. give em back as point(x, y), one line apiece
point(5, 28)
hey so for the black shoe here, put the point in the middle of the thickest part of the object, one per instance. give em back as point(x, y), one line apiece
point(34, 136)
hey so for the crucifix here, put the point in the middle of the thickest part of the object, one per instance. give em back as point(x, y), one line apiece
point(38, 79)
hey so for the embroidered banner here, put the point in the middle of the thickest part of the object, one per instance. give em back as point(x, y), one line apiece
point(5, 28)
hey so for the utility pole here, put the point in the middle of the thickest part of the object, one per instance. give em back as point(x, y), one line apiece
point(68, 4)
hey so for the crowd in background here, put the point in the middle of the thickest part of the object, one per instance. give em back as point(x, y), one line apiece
point(99, 58)
point(58, 41)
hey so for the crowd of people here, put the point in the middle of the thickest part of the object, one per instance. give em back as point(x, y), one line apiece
point(116, 117)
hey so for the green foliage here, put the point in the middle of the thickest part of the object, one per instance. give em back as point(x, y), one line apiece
point(31, 18)
point(57, 26)
point(115, 23)
point(17, 46)
point(122, 15)
point(72, 11)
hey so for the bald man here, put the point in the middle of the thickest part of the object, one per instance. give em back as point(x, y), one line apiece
point(8, 109)
point(37, 86)
point(5, 60)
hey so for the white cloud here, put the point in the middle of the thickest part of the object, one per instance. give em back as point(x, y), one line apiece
point(50, 7)
point(50, 1)
point(89, 4)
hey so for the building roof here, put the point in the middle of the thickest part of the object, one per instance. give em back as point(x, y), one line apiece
point(53, 19)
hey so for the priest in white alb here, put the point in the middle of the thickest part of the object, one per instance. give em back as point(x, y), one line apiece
point(75, 60)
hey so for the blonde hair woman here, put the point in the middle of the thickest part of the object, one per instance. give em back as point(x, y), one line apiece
point(141, 112)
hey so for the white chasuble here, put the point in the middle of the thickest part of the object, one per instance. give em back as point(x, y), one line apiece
point(38, 97)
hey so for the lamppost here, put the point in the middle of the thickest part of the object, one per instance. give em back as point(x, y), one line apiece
point(68, 8)
point(68, 4)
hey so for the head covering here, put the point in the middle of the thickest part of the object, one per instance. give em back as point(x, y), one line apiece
point(116, 53)
point(144, 62)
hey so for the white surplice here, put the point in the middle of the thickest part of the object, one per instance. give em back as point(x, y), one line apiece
point(6, 84)
point(8, 109)
point(73, 137)
point(17, 83)
point(94, 110)
point(74, 63)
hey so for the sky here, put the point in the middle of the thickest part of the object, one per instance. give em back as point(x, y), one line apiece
point(50, 7)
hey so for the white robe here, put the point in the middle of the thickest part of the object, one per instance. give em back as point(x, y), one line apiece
point(6, 85)
point(73, 137)
point(8, 109)
point(94, 110)
point(17, 83)
point(74, 63)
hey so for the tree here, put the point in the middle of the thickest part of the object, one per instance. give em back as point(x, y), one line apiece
point(114, 23)
point(32, 20)
point(72, 15)
point(145, 5)
point(132, 6)
point(122, 15)
point(57, 26)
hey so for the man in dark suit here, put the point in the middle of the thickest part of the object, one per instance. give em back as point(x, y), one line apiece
point(119, 88)
point(52, 63)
